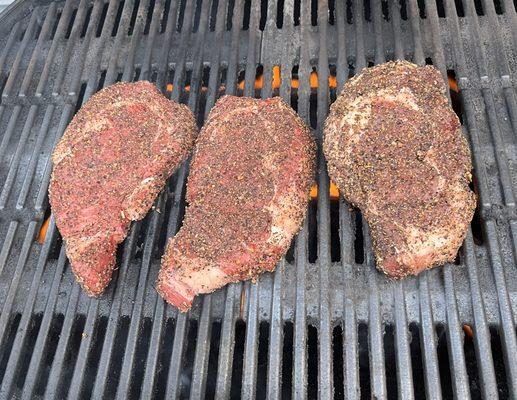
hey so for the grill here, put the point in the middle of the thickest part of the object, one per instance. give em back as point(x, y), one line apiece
point(326, 323)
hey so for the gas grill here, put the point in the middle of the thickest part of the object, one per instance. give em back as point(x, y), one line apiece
point(326, 324)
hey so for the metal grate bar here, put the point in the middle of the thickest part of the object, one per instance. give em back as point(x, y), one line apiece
point(163, 64)
point(325, 374)
point(15, 31)
point(350, 356)
point(159, 308)
point(107, 346)
point(52, 388)
point(51, 13)
point(226, 347)
point(41, 200)
point(42, 340)
point(276, 346)
point(202, 351)
point(76, 30)
point(15, 280)
point(153, 31)
point(427, 323)
point(20, 340)
point(478, 157)
point(489, 8)
point(233, 66)
point(172, 224)
point(404, 370)
point(418, 56)
point(9, 131)
point(249, 380)
point(375, 345)
point(512, 17)
point(60, 31)
point(173, 382)
point(249, 373)
point(511, 102)
point(428, 341)
point(15, 161)
point(136, 316)
point(481, 331)
point(507, 329)
point(200, 366)
point(300, 319)
point(403, 355)
point(31, 168)
point(28, 34)
point(7, 244)
point(106, 30)
point(454, 340)
point(500, 147)
point(274, 380)
point(375, 329)
point(437, 47)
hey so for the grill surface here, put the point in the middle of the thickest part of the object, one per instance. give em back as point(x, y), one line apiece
point(326, 322)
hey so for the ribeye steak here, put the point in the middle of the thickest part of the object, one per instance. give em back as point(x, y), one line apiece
point(247, 195)
point(108, 168)
point(395, 149)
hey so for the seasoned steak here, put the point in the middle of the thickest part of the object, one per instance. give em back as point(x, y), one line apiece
point(247, 194)
point(109, 166)
point(395, 149)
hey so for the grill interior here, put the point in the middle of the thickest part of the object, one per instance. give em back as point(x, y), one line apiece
point(326, 322)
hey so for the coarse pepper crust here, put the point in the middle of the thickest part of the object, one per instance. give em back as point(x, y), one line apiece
point(247, 194)
point(396, 151)
point(108, 168)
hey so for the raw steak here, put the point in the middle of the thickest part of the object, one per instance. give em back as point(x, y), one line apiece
point(395, 149)
point(109, 167)
point(247, 194)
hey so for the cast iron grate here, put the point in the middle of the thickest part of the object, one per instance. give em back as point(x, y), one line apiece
point(326, 322)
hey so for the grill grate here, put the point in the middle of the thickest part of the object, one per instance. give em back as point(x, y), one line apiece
point(325, 323)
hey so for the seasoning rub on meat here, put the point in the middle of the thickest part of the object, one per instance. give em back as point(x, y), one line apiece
point(108, 168)
point(395, 149)
point(247, 195)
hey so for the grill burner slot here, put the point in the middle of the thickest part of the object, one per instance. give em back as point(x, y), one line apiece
point(296, 15)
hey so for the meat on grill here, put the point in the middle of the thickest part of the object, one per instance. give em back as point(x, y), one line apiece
point(247, 194)
point(108, 168)
point(395, 149)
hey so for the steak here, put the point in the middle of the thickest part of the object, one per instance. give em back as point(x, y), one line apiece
point(108, 168)
point(395, 149)
point(247, 195)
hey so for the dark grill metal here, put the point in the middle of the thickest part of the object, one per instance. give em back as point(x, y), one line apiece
point(326, 322)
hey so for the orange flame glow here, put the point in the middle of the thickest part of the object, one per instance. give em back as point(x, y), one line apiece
point(333, 191)
point(468, 331)
point(43, 231)
point(453, 85)
point(276, 82)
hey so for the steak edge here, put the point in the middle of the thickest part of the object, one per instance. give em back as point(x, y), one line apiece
point(247, 195)
point(396, 151)
point(109, 166)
